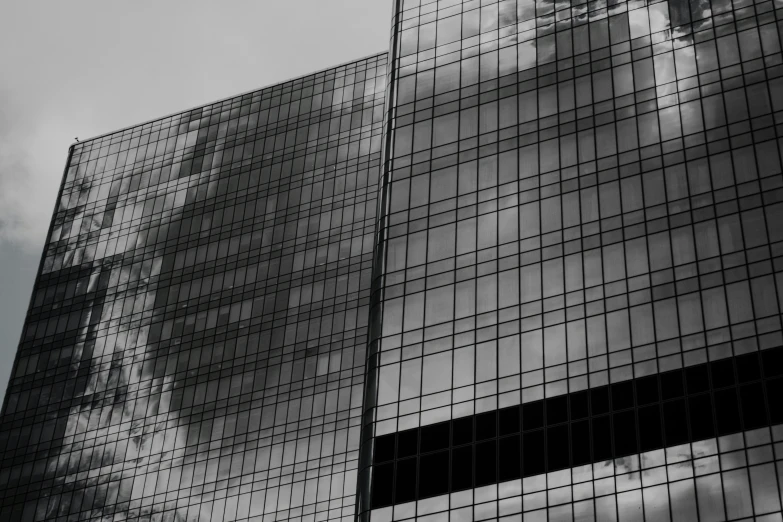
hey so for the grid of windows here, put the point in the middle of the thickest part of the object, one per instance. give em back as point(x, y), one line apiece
point(577, 195)
point(662, 410)
point(724, 479)
point(195, 344)
point(545, 235)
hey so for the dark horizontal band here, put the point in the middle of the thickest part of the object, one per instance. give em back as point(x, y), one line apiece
point(666, 409)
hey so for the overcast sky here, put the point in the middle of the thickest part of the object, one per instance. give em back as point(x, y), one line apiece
point(86, 67)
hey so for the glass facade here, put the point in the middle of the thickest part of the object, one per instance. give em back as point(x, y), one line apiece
point(526, 266)
point(577, 289)
point(195, 344)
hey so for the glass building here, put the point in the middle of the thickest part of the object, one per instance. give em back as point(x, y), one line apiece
point(195, 345)
point(527, 266)
point(577, 290)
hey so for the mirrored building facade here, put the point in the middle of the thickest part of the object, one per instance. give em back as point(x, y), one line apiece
point(195, 345)
point(527, 266)
point(576, 298)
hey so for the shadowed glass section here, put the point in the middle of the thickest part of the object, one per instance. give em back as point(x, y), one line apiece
point(640, 415)
point(709, 479)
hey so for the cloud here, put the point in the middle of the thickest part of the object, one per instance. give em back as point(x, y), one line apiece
point(28, 174)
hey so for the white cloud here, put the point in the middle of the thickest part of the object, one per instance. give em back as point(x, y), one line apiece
point(29, 173)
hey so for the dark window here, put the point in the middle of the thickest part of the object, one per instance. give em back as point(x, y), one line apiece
point(486, 463)
point(557, 410)
point(748, 367)
point(384, 448)
point(647, 390)
point(462, 468)
point(533, 415)
point(700, 413)
point(405, 486)
point(622, 395)
point(434, 474)
point(435, 437)
point(580, 442)
point(557, 447)
point(671, 385)
point(697, 379)
point(774, 393)
point(508, 420)
point(602, 438)
point(485, 425)
point(674, 422)
point(722, 373)
point(533, 453)
point(508, 458)
point(407, 443)
point(462, 431)
point(599, 400)
point(624, 425)
point(579, 405)
point(754, 411)
point(727, 411)
point(650, 428)
point(382, 484)
point(772, 362)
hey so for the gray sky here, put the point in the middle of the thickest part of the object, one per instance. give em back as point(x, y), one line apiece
point(86, 67)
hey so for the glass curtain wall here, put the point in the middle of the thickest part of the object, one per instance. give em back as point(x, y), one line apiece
point(577, 291)
point(195, 345)
point(530, 269)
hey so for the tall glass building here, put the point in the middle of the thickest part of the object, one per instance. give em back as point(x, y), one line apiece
point(196, 341)
point(527, 266)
